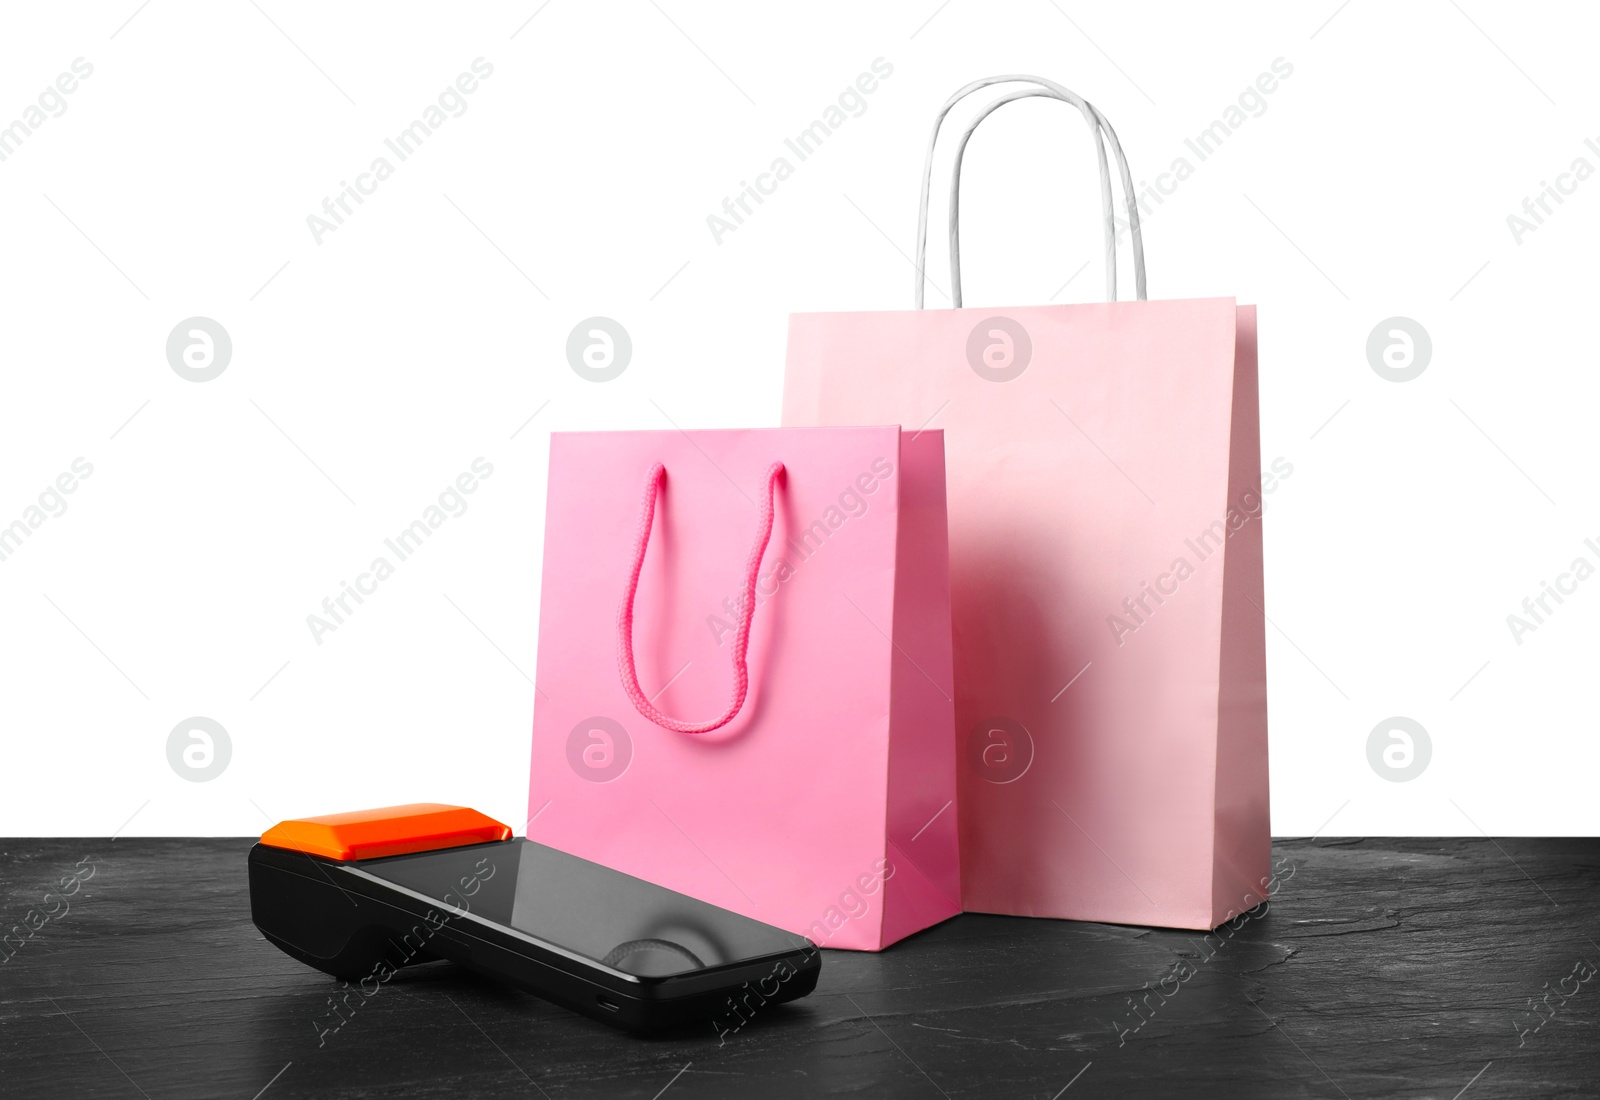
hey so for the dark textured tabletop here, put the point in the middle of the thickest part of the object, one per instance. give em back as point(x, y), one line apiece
point(1451, 969)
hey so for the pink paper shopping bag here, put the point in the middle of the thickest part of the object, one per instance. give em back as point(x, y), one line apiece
point(744, 673)
point(1106, 570)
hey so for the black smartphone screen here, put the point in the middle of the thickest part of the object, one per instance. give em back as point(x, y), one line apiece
point(589, 910)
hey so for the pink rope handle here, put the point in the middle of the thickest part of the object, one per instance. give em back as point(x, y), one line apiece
point(747, 608)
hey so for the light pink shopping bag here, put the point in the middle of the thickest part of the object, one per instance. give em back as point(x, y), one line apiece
point(811, 784)
point(1106, 568)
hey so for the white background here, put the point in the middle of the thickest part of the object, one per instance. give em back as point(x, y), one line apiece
point(423, 333)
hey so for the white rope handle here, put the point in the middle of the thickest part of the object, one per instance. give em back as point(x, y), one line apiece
point(1101, 128)
point(1108, 210)
point(927, 181)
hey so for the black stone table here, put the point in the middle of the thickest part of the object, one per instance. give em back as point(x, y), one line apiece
point(1450, 969)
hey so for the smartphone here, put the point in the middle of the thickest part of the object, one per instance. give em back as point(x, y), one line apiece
point(594, 940)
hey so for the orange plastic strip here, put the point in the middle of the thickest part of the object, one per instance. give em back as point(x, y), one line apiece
point(390, 831)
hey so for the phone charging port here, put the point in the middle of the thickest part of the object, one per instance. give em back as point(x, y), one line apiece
point(608, 1005)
